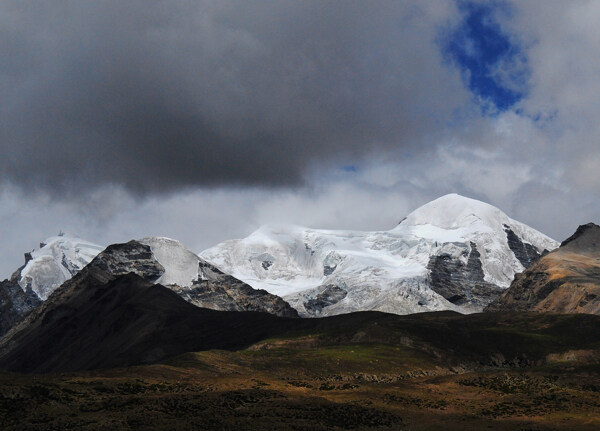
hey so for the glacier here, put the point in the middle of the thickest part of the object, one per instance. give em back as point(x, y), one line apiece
point(326, 272)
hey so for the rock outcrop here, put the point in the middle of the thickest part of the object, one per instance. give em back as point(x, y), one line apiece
point(461, 283)
point(219, 291)
point(15, 303)
point(525, 252)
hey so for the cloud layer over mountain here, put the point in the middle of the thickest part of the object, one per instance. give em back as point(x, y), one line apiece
point(203, 120)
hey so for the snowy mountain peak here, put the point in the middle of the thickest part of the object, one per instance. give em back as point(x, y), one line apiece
point(454, 218)
point(57, 260)
point(454, 211)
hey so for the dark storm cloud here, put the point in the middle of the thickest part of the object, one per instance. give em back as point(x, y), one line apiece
point(158, 95)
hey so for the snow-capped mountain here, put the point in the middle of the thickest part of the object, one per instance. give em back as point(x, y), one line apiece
point(453, 253)
point(45, 269)
point(181, 265)
point(158, 260)
point(57, 260)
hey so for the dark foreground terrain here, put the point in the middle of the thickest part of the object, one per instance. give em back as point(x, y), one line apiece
point(431, 371)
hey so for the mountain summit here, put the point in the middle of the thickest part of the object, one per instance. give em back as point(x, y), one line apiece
point(454, 211)
point(56, 260)
point(453, 253)
point(585, 238)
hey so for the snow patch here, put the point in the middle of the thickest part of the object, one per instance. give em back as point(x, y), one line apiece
point(181, 265)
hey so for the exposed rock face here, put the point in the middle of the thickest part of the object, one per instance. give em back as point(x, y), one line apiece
point(331, 263)
point(566, 280)
point(328, 269)
point(15, 303)
point(526, 253)
point(219, 291)
point(461, 283)
point(266, 260)
point(119, 259)
point(330, 295)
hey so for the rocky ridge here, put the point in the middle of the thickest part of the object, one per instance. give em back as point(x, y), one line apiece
point(205, 286)
point(156, 260)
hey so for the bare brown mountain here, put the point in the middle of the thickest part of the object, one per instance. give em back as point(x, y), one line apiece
point(566, 280)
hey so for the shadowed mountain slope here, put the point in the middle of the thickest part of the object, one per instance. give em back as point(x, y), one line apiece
point(98, 321)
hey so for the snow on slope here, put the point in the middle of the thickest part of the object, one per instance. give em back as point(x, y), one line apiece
point(181, 265)
point(454, 218)
point(57, 260)
point(325, 272)
point(61, 257)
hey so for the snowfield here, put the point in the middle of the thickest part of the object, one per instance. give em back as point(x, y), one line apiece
point(385, 271)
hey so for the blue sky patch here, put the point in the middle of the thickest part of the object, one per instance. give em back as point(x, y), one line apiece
point(494, 65)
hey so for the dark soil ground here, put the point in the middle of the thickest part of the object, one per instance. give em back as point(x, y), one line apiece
point(369, 371)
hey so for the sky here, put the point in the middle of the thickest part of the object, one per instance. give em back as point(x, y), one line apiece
point(203, 120)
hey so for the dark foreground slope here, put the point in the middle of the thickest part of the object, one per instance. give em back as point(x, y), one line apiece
point(122, 321)
point(362, 371)
point(98, 321)
point(208, 369)
point(566, 280)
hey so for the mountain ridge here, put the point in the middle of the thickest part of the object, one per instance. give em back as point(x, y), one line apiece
point(453, 253)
